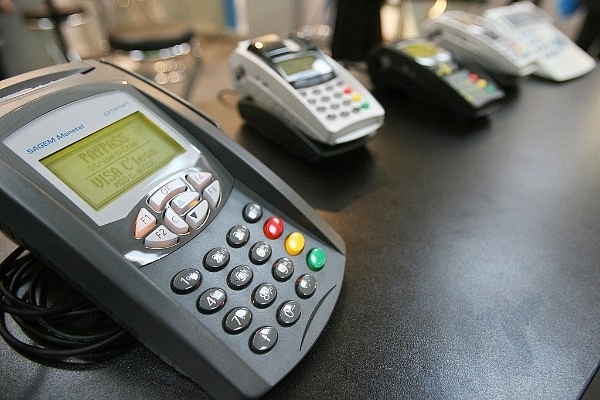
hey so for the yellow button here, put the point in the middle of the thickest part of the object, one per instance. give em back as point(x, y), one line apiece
point(294, 243)
point(482, 83)
point(356, 97)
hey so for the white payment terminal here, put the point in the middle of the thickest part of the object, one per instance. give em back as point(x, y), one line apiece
point(302, 99)
point(180, 235)
point(474, 40)
point(557, 57)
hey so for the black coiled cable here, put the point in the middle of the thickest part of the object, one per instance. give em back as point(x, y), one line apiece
point(61, 324)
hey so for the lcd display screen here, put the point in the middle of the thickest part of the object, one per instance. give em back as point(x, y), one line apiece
point(106, 164)
point(421, 50)
point(293, 66)
point(524, 18)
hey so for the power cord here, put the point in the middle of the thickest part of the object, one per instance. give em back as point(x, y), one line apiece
point(60, 324)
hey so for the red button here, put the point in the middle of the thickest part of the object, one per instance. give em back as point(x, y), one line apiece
point(347, 90)
point(273, 228)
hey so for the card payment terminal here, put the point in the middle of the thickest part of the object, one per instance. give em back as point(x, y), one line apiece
point(428, 73)
point(302, 99)
point(180, 235)
point(474, 40)
point(557, 57)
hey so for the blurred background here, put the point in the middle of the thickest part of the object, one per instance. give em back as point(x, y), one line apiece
point(185, 43)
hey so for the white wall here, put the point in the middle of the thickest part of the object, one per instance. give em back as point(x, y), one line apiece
point(283, 16)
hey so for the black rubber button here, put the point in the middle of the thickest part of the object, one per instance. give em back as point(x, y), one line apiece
point(211, 301)
point(237, 320)
point(283, 269)
point(238, 236)
point(252, 212)
point(264, 295)
point(186, 281)
point(240, 277)
point(216, 259)
point(263, 339)
point(288, 313)
point(306, 285)
point(260, 253)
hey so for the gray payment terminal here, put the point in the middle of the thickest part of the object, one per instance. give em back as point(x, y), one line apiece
point(185, 239)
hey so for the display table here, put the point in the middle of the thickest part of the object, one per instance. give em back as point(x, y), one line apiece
point(473, 263)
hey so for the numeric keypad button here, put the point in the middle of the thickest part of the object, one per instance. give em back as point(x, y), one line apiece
point(283, 269)
point(216, 259)
point(263, 339)
point(289, 313)
point(237, 320)
point(240, 277)
point(260, 253)
point(238, 236)
point(186, 281)
point(211, 300)
point(306, 285)
point(264, 295)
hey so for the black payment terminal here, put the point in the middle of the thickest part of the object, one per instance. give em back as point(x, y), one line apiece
point(429, 74)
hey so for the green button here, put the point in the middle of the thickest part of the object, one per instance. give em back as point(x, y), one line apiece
point(316, 259)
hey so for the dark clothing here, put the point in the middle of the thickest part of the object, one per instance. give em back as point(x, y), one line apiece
point(357, 29)
point(589, 35)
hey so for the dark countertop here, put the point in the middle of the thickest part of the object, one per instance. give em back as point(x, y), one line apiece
point(472, 267)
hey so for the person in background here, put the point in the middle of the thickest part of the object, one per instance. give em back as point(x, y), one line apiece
point(352, 41)
point(589, 35)
point(6, 6)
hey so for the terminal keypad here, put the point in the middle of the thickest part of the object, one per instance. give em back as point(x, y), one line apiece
point(263, 238)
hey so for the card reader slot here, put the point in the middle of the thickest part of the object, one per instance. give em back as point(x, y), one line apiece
point(17, 88)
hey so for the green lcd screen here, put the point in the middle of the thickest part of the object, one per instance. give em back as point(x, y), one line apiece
point(106, 164)
point(293, 66)
point(421, 50)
